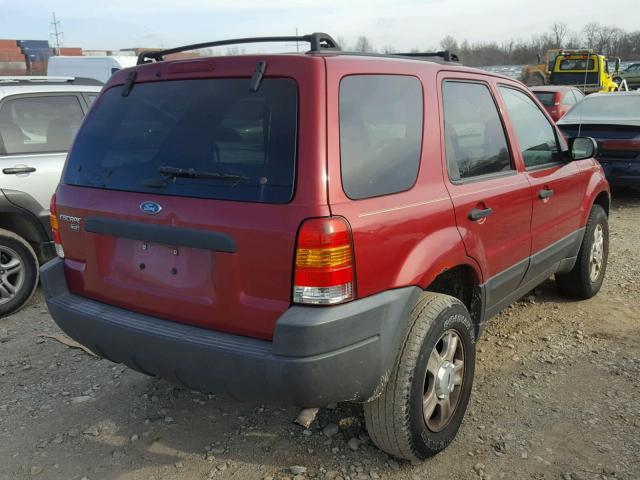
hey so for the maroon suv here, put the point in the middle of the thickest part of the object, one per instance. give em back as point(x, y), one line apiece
point(318, 227)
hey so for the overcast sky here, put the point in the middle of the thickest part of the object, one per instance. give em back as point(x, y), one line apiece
point(404, 24)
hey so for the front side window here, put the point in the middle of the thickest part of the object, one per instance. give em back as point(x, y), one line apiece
point(39, 124)
point(238, 145)
point(380, 134)
point(475, 141)
point(536, 136)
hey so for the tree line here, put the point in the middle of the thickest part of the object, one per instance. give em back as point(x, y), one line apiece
point(605, 39)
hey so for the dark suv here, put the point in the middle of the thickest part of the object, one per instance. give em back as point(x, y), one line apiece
point(318, 227)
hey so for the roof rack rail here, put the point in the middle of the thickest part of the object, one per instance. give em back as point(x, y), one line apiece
point(445, 55)
point(26, 80)
point(319, 42)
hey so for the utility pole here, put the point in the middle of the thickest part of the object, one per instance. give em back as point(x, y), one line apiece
point(297, 43)
point(57, 34)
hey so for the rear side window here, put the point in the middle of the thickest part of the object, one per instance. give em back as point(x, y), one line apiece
point(224, 142)
point(380, 134)
point(475, 141)
point(39, 124)
point(536, 136)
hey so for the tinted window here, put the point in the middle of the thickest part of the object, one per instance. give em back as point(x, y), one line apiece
point(535, 134)
point(380, 134)
point(39, 124)
point(91, 98)
point(475, 139)
point(548, 99)
point(610, 106)
point(213, 126)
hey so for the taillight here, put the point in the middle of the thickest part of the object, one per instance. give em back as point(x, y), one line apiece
point(55, 230)
point(324, 272)
point(620, 145)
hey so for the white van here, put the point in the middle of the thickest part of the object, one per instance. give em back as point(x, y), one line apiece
point(97, 67)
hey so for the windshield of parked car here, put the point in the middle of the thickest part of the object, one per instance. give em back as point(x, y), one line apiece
point(232, 144)
point(609, 108)
point(548, 99)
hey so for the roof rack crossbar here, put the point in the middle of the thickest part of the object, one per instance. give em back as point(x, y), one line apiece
point(319, 42)
point(446, 55)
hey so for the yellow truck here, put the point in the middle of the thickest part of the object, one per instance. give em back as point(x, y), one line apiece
point(583, 69)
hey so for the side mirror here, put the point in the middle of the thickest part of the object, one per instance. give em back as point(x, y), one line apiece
point(581, 148)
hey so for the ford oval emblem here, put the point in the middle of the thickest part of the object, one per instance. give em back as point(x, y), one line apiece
point(150, 208)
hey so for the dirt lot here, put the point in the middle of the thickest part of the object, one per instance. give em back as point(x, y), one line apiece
point(556, 396)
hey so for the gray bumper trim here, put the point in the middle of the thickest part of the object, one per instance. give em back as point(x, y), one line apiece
point(318, 355)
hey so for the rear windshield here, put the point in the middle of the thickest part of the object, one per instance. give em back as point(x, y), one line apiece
point(548, 99)
point(610, 107)
point(577, 64)
point(207, 138)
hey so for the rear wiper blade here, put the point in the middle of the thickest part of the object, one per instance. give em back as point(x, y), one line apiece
point(174, 172)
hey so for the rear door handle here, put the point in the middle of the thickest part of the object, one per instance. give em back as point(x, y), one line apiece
point(16, 170)
point(545, 193)
point(477, 213)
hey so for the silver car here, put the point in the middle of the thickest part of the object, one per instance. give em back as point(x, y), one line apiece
point(39, 116)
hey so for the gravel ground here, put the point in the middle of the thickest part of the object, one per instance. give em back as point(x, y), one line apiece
point(556, 396)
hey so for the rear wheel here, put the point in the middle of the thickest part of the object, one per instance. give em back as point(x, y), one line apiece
point(587, 275)
point(18, 272)
point(425, 399)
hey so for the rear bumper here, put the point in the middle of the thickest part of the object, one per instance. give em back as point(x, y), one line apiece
point(621, 173)
point(317, 356)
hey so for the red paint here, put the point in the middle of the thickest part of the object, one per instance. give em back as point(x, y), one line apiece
point(403, 239)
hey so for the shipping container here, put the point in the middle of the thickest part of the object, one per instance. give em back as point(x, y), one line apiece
point(33, 43)
point(8, 44)
point(70, 51)
point(11, 57)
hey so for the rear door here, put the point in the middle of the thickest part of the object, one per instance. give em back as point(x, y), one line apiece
point(182, 199)
point(384, 175)
point(557, 187)
point(632, 76)
point(489, 190)
point(36, 131)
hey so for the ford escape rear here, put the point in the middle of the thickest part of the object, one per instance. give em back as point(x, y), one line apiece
point(319, 227)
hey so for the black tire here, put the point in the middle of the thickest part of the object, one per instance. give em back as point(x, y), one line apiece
point(15, 244)
point(578, 283)
point(395, 420)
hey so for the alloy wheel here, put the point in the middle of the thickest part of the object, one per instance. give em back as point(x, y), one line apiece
point(443, 382)
point(12, 274)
